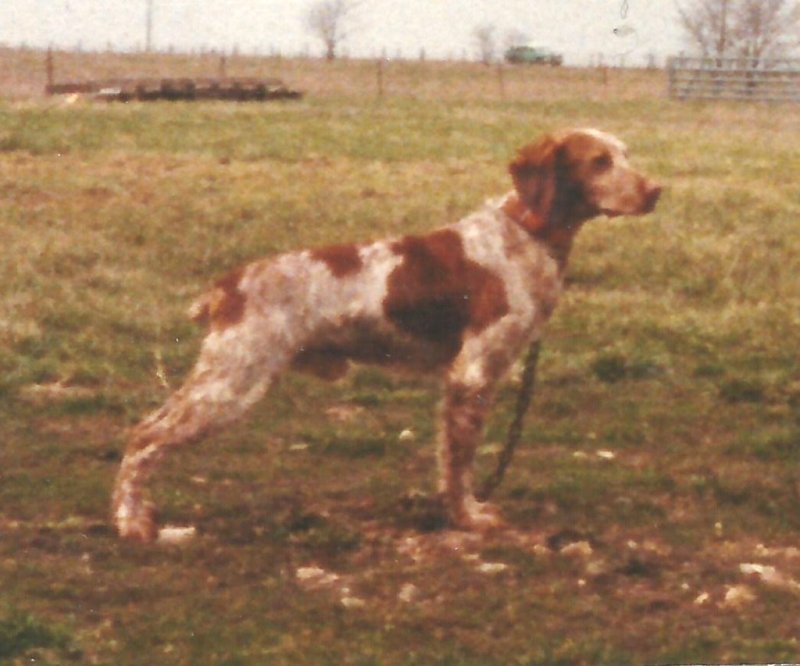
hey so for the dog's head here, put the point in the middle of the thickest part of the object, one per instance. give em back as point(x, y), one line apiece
point(571, 176)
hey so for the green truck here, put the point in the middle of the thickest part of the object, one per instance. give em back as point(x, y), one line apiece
point(533, 55)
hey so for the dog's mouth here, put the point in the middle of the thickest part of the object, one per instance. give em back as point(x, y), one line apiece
point(642, 203)
point(647, 205)
point(651, 200)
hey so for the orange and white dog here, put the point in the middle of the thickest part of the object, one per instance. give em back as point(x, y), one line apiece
point(463, 301)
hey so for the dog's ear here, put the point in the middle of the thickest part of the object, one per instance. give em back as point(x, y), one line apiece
point(535, 174)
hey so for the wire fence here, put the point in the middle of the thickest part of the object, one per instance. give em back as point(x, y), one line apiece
point(26, 73)
point(776, 80)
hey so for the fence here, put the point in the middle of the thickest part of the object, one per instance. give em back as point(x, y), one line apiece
point(734, 78)
point(24, 73)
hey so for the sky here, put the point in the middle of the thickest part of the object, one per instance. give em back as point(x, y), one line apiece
point(580, 29)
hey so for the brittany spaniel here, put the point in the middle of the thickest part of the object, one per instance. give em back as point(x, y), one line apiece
point(462, 301)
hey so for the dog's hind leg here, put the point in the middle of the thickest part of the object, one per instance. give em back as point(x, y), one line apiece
point(231, 374)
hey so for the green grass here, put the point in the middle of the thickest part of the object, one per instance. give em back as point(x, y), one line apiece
point(673, 349)
point(23, 634)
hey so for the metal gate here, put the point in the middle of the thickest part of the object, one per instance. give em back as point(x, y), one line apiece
point(775, 80)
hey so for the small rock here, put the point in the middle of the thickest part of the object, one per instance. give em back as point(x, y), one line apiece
point(769, 575)
point(789, 553)
point(492, 567)
point(315, 576)
point(596, 568)
point(307, 573)
point(605, 454)
point(408, 593)
point(406, 435)
point(702, 599)
point(577, 549)
point(738, 595)
point(175, 536)
point(353, 602)
point(763, 571)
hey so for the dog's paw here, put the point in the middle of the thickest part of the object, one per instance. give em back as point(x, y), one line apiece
point(136, 522)
point(477, 516)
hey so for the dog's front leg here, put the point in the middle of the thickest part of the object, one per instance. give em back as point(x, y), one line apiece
point(463, 414)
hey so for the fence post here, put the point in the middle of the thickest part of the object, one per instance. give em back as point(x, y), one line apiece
point(501, 80)
point(49, 70)
point(379, 75)
point(222, 66)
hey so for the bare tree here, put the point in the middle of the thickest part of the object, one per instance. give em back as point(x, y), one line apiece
point(706, 23)
point(484, 36)
point(752, 28)
point(327, 20)
point(766, 28)
point(148, 26)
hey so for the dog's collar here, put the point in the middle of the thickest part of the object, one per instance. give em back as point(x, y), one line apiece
point(557, 237)
point(520, 214)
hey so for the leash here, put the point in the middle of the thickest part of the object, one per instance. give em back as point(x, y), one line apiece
point(515, 429)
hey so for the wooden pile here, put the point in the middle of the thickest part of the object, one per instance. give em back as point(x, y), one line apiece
point(146, 90)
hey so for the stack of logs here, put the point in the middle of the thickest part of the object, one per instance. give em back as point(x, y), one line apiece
point(124, 90)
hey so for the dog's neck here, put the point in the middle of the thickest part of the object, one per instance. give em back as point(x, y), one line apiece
point(555, 231)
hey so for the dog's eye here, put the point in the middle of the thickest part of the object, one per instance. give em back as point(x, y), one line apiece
point(601, 162)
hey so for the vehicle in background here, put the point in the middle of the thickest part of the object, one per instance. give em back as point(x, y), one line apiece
point(533, 55)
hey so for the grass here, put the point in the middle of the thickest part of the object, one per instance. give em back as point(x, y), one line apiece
point(664, 433)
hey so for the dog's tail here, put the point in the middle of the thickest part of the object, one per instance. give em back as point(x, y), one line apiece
point(223, 304)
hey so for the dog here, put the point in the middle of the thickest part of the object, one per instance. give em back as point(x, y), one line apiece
point(462, 301)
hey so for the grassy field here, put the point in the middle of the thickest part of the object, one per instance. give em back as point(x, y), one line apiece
point(661, 455)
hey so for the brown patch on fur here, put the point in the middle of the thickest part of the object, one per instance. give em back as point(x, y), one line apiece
point(437, 292)
point(138, 442)
point(534, 173)
point(551, 202)
point(342, 260)
point(224, 305)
